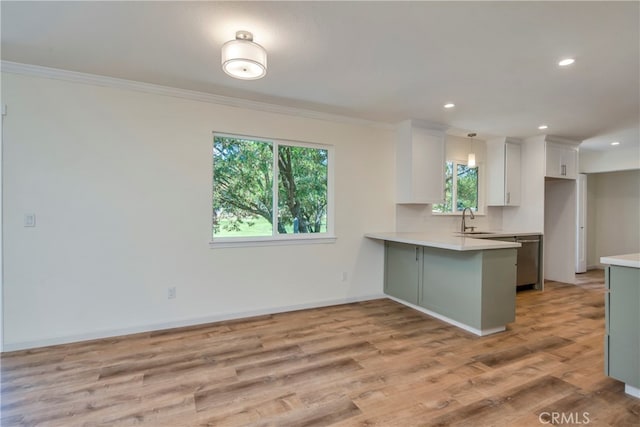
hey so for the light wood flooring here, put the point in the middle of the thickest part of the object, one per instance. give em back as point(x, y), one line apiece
point(370, 363)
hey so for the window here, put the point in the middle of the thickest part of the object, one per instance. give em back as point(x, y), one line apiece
point(259, 196)
point(460, 188)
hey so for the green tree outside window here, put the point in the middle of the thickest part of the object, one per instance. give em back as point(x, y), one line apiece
point(460, 188)
point(244, 193)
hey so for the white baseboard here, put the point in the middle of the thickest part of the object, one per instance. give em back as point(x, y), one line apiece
point(632, 391)
point(110, 333)
point(479, 332)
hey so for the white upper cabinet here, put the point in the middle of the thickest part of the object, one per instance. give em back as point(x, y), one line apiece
point(503, 172)
point(562, 160)
point(419, 163)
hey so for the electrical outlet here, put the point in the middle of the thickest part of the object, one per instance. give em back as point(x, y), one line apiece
point(171, 294)
point(345, 276)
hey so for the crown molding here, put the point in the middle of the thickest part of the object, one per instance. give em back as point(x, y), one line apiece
point(560, 140)
point(433, 126)
point(112, 82)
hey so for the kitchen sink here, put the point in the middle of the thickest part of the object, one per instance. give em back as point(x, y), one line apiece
point(477, 232)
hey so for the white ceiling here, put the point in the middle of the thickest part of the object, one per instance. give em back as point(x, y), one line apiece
point(382, 61)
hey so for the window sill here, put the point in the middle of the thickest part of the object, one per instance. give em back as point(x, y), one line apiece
point(256, 242)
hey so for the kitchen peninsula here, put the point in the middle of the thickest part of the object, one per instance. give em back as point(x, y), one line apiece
point(622, 320)
point(464, 281)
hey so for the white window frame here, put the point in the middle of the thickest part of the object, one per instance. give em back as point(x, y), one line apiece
point(277, 238)
point(454, 189)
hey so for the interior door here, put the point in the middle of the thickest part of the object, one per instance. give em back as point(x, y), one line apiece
point(4, 113)
point(581, 224)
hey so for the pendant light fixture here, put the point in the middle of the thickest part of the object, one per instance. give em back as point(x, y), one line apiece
point(471, 161)
point(244, 59)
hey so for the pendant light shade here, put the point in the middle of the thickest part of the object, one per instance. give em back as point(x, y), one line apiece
point(471, 161)
point(244, 59)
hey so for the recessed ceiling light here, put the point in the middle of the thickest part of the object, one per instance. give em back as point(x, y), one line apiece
point(566, 61)
point(449, 105)
point(543, 127)
point(615, 143)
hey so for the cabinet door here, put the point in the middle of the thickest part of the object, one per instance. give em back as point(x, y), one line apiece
point(562, 161)
point(419, 164)
point(503, 173)
point(495, 172)
point(402, 271)
point(512, 175)
point(623, 324)
point(554, 160)
point(570, 162)
point(428, 166)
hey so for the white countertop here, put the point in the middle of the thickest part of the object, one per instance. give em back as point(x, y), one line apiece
point(628, 260)
point(445, 241)
point(501, 233)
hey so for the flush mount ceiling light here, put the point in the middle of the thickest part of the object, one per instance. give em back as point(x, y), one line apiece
point(615, 143)
point(543, 127)
point(565, 62)
point(244, 59)
point(471, 161)
point(449, 105)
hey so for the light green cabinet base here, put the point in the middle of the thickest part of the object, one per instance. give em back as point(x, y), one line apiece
point(474, 290)
point(402, 271)
point(622, 316)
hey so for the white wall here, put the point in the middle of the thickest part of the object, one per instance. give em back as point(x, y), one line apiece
point(420, 217)
point(611, 160)
point(614, 203)
point(120, 182)
point(560, 230)
point(529, 216)
point(458, 148)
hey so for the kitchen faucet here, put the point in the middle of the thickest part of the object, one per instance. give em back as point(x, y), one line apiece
point(463, 226)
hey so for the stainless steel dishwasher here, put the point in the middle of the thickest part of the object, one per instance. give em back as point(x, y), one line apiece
point(528, 258)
